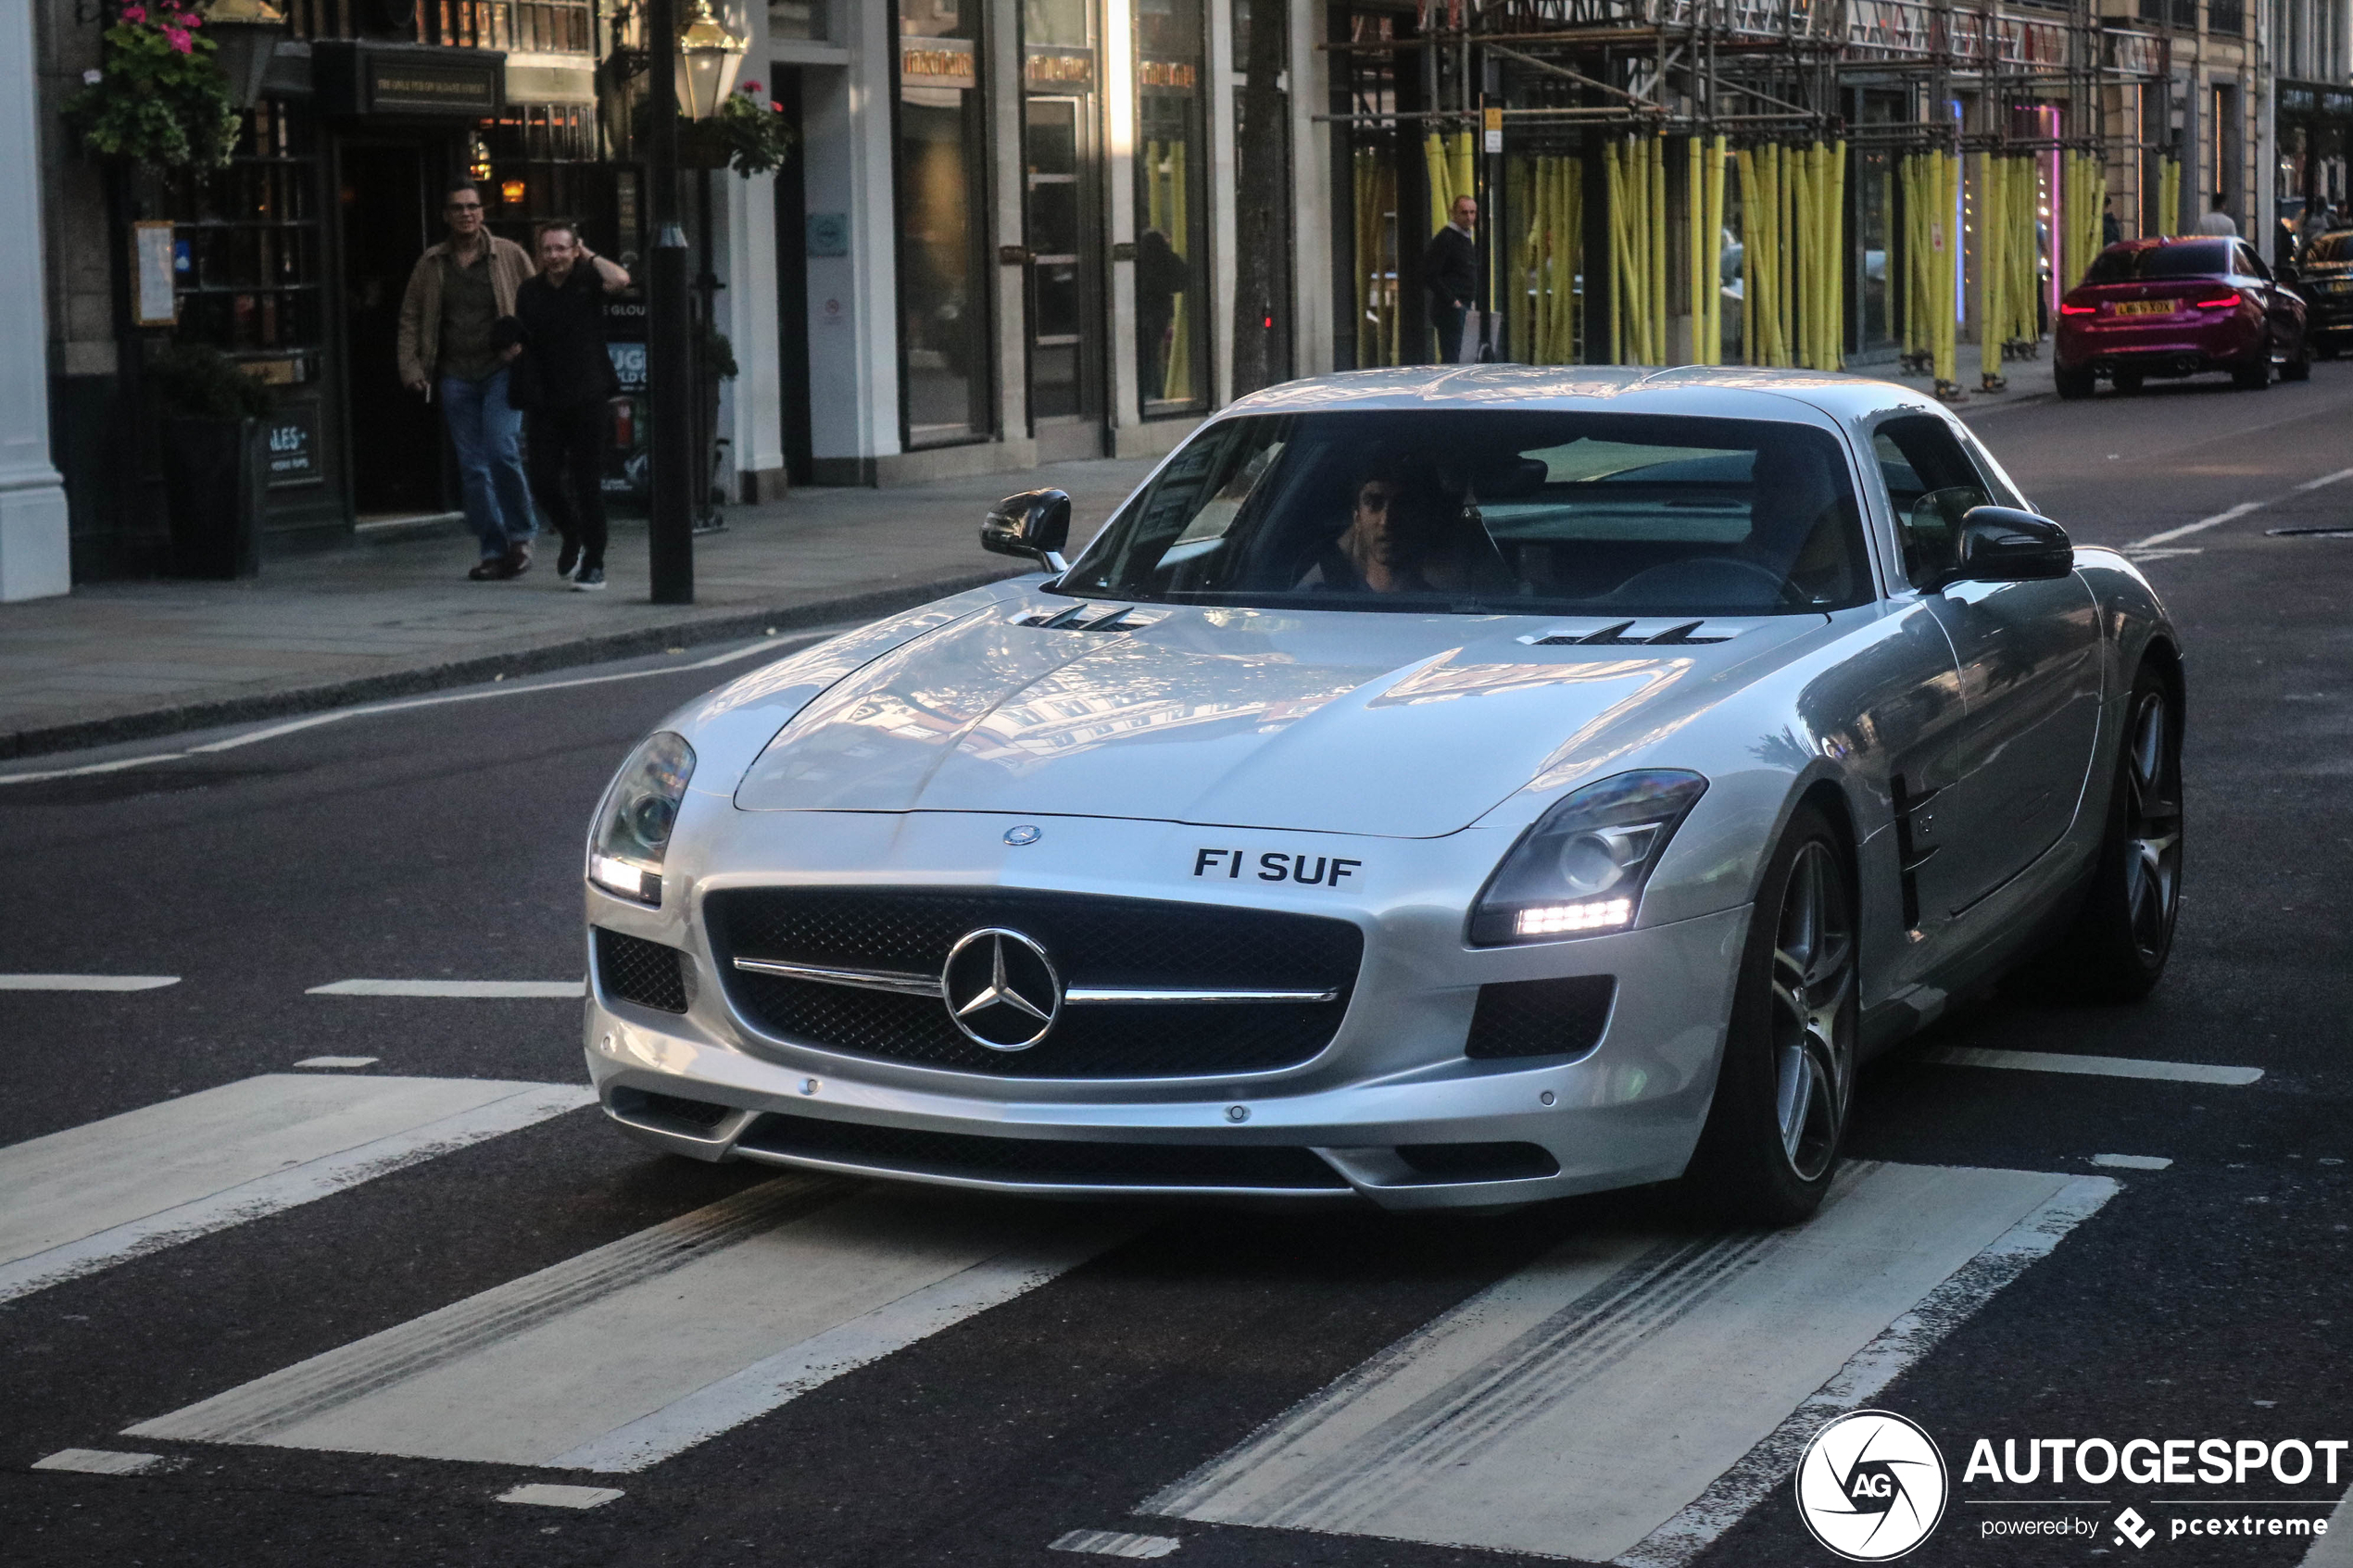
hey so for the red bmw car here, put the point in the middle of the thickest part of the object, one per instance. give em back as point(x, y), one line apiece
point(2176, 307)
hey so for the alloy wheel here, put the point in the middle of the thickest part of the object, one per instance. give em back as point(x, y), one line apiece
point(1813, 980)
point(2151, 829)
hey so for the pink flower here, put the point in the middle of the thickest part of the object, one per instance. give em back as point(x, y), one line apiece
point(776, 107)
point(134, 15)
point(178, 40)
point(752, 87)
point(192, 19)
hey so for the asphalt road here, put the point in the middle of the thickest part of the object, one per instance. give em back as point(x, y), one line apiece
point(2204, 1296)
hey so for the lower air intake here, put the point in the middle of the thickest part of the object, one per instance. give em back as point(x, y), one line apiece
point(630, 968)
point(1532, 1018)
point(1040, 1162)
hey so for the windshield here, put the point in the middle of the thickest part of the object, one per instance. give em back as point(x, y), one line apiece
point(1493, 511)
point(2198, 258)
point(2334, 248)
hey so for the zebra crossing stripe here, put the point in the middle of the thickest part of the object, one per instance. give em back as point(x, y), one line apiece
point(1629, 1396)
point(726, 1313)
point(93, 1196)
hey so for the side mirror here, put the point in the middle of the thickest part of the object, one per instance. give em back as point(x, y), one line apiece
point(2004, 544)
point(1034, 524)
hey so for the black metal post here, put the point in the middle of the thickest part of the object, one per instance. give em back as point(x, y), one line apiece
point(669, 371)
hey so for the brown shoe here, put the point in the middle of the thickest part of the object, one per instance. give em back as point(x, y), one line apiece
point(488, 570)
point(516, 561)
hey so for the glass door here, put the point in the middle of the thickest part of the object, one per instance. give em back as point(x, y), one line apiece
point(1061, 222)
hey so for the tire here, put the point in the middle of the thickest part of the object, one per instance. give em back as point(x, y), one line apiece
point(2253, 377)
point(2072, 384)
point(1786, 1083)
point(2128, 385)
point(2116, 950)
point(2299, 368)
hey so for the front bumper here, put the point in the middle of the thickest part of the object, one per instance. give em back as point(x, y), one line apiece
point(1391, 1111)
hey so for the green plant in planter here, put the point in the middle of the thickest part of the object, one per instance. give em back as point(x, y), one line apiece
point(161, 98)
point(757, 136)
point(195, 381)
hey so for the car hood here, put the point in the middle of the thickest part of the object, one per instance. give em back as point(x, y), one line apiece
point(1389, 724)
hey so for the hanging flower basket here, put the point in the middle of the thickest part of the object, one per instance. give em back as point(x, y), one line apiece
point(159, 97)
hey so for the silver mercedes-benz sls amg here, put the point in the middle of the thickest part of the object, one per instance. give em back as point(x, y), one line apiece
point(1443, 788)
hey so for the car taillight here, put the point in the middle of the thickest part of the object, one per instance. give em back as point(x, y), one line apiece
point(2071, 308)
point(2217, 302)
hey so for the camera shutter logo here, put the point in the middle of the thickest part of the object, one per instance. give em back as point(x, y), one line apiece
point(1872, 1485)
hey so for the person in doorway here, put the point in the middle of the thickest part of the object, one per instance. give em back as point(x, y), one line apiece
point(1449, 276)
point(2217, 220)
point(563, 383)
point(2111, 232)
point(449, 345)
point(1161, 276)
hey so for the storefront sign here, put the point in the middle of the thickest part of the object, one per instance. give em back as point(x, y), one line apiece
point(1166, 73)
point(152, 301)
point(828, 233)
point(408, 83)
point(1043, 70)
point(936, 62)
point(290, 444)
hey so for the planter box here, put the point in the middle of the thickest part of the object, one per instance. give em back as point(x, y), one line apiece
point(214, 473)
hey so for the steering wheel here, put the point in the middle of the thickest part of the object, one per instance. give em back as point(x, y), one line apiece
point(1678, 575)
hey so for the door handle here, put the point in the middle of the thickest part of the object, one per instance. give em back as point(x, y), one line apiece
point(1013, 255)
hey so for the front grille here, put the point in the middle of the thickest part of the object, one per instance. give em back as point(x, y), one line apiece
point(1039, 1162)
point(1094, 940)
point(1519, 1018)
point(633, 970)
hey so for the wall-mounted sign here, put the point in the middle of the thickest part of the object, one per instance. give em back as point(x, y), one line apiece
point(828, 233)
point(290, 447)
point(405, 83)
point(1491, 130)
point(628, 364)
point(152, 260)
point(936, 62)
point(1046, 70)
point(1166, 73)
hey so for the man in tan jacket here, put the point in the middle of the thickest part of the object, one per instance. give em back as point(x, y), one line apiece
point(450, 344)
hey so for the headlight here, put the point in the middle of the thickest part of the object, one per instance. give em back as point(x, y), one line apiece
point(633, 826)
point(1579, 871)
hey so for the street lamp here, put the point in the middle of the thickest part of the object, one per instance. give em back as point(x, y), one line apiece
point(244, 34)
point(692, 70)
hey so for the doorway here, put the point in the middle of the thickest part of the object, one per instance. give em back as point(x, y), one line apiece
point(797, 239)
point(388, 194)
point(1059, 221)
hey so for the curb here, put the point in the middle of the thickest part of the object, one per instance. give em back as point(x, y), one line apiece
point(522, 659)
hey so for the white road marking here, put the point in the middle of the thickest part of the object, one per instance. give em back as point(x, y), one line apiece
point(333, 1061)
point(540, 1494)
point(2233, 513)
point(86, 982)
point(94, 1195)
point(1114, 1543)
point(1632, 1394)
point(2335, 1549)
point(722, 1315)
point(337, 716)
point(99, 1461)
point(472, 990)
point(2132, 1161)
point(2098, 1066)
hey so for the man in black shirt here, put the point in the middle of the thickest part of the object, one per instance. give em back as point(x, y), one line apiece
point(566, 379)
point(1450, 274)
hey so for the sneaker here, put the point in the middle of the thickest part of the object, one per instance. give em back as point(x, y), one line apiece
point(488, 570)
point(591, 580)
point(567, 557)
point(515, 562)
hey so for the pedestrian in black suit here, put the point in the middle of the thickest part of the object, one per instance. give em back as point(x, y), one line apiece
point(1450, 274)
point(567, 378)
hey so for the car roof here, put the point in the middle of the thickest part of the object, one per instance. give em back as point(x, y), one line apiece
point(1694, 391)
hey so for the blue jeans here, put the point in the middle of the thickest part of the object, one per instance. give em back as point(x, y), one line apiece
point(486, 430)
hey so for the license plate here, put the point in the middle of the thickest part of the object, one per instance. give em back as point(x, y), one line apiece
point(2143, 307)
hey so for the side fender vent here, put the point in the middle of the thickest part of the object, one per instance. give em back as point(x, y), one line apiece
point(1090, 618)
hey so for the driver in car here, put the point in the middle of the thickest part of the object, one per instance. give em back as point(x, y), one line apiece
point(1396, 543)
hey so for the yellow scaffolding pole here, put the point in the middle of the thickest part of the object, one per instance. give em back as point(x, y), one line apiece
point(1713, 232)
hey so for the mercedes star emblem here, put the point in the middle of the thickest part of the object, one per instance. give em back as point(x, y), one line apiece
point(1001, 989)
point(1023, 836)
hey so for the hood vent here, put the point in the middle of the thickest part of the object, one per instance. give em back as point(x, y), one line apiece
point(1636, 634)
point(1090, 618)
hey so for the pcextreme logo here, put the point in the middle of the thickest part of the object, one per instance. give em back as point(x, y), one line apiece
point(1872, 1485)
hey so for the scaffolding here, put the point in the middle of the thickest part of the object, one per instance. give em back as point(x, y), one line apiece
point(1764, 181)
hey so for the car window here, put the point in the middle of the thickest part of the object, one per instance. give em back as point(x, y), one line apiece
point(2250, 264)
point(2334, 248)
point(1931, 484)
point(1493, 510)
point(2187, 258)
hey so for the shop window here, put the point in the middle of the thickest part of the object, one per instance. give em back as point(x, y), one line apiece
point(943, 273)
point(796, 18)
point(246, 242)
point(1172, 249)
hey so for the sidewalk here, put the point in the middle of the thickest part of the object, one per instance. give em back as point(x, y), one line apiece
point(120, 660)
